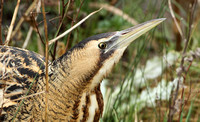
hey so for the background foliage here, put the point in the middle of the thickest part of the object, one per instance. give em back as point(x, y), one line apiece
point(143, 85)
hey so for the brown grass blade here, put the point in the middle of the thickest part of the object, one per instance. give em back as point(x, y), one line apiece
point(72, 28)
point(115, 11)
point(12, 23)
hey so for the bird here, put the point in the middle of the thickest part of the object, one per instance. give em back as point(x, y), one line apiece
point(74, 78)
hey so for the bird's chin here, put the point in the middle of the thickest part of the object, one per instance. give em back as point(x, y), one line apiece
point(107, 66)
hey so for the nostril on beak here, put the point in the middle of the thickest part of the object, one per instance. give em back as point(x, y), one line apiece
point(124, 33)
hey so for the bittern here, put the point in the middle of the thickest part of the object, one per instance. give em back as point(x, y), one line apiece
point(74, 78)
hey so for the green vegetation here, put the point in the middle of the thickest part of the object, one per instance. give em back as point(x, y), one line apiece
point(143, 84)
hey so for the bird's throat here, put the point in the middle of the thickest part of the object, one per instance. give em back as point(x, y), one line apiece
point(77, 83)
point(71, 86)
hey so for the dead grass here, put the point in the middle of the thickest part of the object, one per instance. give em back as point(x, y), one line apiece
point(69, 18)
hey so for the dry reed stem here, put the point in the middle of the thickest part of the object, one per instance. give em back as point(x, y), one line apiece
point(1, 41)
point(136, 117)
point(191, 14)
point(171, 106)
point(37, 29)
point(46, 61)
point(32, 95)
point(64, 14)
point(191, 18)
point(27, 38)
point(59, 7)
point(115, 11)
point(12, 23)
point(21, 98)
point(22, 18)
point(40, 47)
point(31, 28)
point(174, 18)
point(72, 23)
point(72, 28)
point(54, 18)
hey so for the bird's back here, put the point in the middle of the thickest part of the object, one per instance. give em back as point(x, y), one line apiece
point(19, 72)
point(22, 75)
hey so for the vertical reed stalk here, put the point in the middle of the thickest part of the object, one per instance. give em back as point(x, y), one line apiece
point(1, 9)
point(12, 23)
point(46, 61)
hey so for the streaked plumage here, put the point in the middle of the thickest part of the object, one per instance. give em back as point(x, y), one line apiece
point(74, 78)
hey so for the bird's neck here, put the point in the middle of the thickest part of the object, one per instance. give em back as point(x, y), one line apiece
point(74, 80)
point(91, 105)
point(70, 83)
point(76, 72)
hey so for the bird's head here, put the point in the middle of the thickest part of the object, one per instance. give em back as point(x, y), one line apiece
point(95, 56)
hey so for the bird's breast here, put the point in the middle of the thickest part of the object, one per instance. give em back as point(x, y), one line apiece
point(91, 106)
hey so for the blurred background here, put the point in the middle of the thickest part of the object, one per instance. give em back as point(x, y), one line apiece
point(158, 77)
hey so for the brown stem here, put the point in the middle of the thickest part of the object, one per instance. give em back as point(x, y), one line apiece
point(37, 29)
point(68, 38)
point(190, 84)
point(191, 13)
point(1, 41)
point(46, 61)
point(12, 23)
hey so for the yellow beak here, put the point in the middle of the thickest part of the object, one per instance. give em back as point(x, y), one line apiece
point(125, 37)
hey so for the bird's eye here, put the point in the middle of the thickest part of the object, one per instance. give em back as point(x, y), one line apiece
point(102, 45)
